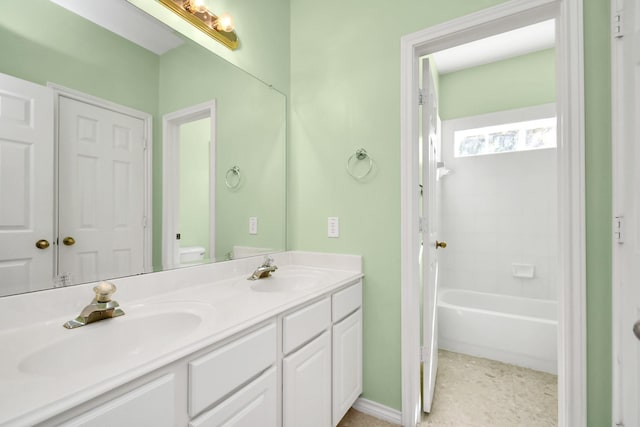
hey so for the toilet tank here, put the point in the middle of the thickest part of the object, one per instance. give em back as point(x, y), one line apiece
point(191, 254)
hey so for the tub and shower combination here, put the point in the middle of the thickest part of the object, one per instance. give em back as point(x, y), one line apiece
point(515, 330)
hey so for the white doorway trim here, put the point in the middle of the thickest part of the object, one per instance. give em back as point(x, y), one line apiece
point(571, 190)
point(171, 123)
point(62, 91)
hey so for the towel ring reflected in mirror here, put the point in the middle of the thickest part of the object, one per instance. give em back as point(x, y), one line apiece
point(229, 178)
point(359, 155)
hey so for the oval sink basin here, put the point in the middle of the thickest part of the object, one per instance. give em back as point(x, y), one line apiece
point(111, 340)
point(286, 282)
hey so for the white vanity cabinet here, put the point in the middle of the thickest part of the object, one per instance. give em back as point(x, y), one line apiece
point(152, 404)
point(347, 349)
point(322, 378)
point(301, 367)
point(306, 371)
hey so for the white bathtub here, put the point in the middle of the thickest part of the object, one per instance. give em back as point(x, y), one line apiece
point(519, 331)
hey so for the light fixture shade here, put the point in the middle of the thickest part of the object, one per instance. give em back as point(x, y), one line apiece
point(225, 23)
point(205, 21)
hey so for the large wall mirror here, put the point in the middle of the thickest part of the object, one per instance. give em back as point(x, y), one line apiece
point(128, 153)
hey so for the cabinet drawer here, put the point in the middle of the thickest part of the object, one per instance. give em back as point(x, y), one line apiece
point(346, 301)
point(254, 405)
point(218, 373)
point(152, 404)
point(304, 324)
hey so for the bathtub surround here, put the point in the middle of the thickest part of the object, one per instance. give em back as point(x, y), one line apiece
point(515, 330)
point(499, 210)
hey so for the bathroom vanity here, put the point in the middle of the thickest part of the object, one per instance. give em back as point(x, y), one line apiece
point(197, 347)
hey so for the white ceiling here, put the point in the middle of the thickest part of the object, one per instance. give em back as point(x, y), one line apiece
point(496, 48)
point(126, 20)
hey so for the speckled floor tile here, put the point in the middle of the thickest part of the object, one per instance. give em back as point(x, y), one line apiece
point(475, 392)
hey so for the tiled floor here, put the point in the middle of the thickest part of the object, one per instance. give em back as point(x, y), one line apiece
point(474, 392)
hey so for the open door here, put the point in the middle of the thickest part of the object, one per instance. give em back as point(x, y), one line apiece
point(429, 232)
point(26, 186)
point(627, 216)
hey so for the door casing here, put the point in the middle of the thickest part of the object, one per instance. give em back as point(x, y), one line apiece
point(171, 123)
point(571, 194)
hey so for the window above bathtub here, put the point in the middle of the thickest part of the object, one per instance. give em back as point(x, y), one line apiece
point(520, 136)
point(530, 128)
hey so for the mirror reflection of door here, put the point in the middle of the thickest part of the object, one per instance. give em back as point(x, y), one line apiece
point(195, 215)
point(101, 192)
point(188, 185)
point(26, 177)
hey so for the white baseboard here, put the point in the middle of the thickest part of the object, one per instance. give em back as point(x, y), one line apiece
point(377, 410)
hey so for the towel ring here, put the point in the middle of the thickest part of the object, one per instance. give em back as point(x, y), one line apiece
point(234, 171)
point(360, 154)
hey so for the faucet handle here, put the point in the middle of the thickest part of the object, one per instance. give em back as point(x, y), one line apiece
point(268, 261)
point(103, 291)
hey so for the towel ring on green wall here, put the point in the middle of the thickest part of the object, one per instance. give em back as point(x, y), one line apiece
point(360, 154)
point(234, 171)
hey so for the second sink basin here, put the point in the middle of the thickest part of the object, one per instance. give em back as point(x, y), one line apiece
point(288, 280)
point(141, 330)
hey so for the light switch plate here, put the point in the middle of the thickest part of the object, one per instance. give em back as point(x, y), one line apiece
point(333, 227)
point(253, 225)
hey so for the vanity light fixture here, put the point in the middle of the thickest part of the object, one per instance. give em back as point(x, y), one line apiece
point(196, 13)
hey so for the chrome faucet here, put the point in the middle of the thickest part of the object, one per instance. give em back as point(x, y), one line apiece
point(102, 307)
point(264, 270)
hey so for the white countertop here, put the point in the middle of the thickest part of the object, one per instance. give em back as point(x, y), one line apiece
point(36, 384)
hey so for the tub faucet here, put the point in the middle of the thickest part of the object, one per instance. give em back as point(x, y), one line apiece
point(264, 270)
point(102, 307)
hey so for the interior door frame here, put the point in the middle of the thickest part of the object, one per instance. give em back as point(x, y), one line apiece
point(571, 189)
point(171, 123)
point(147, 119)
point(620, 288)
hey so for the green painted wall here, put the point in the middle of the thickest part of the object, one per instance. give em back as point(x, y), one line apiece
point(250, 134)
point(597, 74)
point(194, 184)
point(262, 28)
point(517, 82)
point(42, 42)
point(345, 93)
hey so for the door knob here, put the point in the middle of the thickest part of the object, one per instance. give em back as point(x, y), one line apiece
point(69, 241)
point(441, 245)
point(636, 329)
point(42, 244)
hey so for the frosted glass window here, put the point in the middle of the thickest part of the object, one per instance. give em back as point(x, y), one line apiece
point(505, 138)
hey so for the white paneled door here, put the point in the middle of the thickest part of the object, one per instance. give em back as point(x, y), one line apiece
point(26, 186)
point(627, 191)
point(429, 228)
point(101, 192)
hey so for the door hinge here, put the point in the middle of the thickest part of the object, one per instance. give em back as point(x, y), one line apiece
point(422, 223)
point(423, 354)
point(145, 222)
point(618, 229)
point(617, 26)
point(145, 144)
point(422, 96)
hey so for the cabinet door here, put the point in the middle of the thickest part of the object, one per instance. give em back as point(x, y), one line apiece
point(307, 385)
point(153, 404)
point(347, 364)
point(254, 405)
